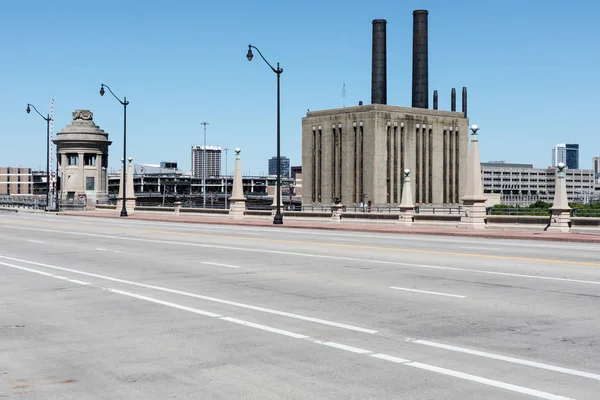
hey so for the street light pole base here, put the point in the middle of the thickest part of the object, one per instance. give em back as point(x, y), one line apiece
point(123, 213)
point(278, 220)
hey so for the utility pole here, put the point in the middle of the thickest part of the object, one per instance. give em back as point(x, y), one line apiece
point(226, 178)
point(204, 167)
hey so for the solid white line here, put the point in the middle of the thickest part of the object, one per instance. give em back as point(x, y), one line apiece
point(290, 253)
point(481, 248)
point(486, 381)
point(307, 232)
point(424, 291)
point(343, 347)
point(508, 359)
point(197, 296)
point(100, 249)
point(220, 265)
point(35, 241)
point(166, 303)
point(264, 328)
point(35, 271)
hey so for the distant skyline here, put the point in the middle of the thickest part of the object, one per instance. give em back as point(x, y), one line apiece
point(530, 69)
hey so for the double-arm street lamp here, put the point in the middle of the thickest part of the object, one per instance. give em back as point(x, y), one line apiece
point(47, 119)
point(278, 220)
point(124, 102)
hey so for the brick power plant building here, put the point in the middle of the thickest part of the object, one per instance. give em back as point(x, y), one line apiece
point(357, 154)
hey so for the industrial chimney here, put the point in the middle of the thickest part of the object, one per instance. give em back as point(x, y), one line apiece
point(420, 78)
point(453, 100)
point(464, 101)
point(379, 64)
point(435, 99)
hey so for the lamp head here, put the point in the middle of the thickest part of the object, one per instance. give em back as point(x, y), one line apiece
point(474, 128)
point(238, 151)
point(28, 109)
point(249, 55)
point(561, 166)
point(102, 90)
point(406, 172)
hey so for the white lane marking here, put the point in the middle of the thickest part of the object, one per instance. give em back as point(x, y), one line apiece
point(35, 271)
point(198, 296)
point(427, 367)
point(35, 241)
point(390, 358)
point(220, 265)
point(426, 292)
point(265, 328)
point(166, 303)
point(343, 347)
point(480, 248)
point(486, 381)
point(101, 249)
point(469, 377)
point(248, 249)
point(508, 359)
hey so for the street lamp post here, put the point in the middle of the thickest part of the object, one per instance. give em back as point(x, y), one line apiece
point(278, 220)
point(47, 119)
point(204, 167)
point(124, 102)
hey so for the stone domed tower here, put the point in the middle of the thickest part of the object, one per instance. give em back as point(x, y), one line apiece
point(82, 153)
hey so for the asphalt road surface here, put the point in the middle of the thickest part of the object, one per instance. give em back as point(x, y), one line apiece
point(122, 309)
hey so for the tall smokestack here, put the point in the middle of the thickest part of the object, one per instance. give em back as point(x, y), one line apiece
point(453, 100)
point(420, 79)
point(464, 101)
point(379, 64)
point(435, 100)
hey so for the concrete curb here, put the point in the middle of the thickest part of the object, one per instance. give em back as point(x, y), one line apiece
point(393, 229)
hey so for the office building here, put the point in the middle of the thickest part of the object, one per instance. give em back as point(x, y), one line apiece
point(522, 184)
point(213, 161)
point(285, 166)
point(566, 153)
point(358, 154)
point(16, 180)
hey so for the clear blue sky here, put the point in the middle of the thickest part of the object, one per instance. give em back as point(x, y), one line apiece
point(531, 68)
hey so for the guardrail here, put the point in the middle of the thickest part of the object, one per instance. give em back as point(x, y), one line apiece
point(79, 205)
point(586, 212)
point(33, 203)
point(519, 211)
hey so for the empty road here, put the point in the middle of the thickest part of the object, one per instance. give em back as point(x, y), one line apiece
point(123, 309)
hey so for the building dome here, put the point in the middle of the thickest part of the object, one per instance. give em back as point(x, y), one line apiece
point(82, 128)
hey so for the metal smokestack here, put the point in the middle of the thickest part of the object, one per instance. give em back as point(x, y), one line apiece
point(420, 78)
point(435, 100)
point(379, 64)
point(453, 100)
point(464, 101)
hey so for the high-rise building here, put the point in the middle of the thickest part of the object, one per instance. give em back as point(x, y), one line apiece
point(596, 168)
point(213, 161)
point(285, 166)
point(566, 153)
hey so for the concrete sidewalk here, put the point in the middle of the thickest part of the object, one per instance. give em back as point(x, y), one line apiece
point(351, 227)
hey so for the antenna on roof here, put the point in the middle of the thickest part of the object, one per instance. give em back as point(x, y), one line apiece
point(344, 95)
